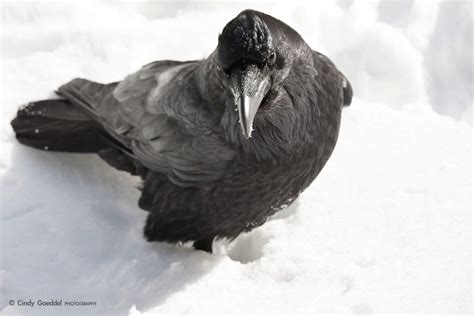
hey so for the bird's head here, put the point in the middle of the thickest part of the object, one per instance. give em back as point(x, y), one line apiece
point(255, 52)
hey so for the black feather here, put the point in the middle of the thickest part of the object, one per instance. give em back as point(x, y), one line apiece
point(57, 125)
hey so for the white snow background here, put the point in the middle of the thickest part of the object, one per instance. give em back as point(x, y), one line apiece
point(385, 228)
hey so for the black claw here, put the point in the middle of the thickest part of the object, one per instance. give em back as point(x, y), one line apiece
point(203, 244)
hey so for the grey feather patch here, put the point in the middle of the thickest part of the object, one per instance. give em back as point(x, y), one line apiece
point(171, 133)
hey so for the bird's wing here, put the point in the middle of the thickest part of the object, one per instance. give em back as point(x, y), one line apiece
point(157, 114)
point(320, 59)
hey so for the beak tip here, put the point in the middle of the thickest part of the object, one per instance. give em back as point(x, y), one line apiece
point(247, 132)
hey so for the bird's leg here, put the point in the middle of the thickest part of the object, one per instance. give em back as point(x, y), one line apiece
point(203, 244)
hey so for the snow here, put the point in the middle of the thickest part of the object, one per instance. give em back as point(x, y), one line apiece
point(386, 227)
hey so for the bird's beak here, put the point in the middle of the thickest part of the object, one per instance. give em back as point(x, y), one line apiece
point(250, 87)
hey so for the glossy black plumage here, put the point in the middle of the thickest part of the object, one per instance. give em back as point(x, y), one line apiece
point(174, 124)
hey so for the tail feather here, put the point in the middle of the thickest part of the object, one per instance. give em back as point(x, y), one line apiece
point(75, 124)
point(58, 125)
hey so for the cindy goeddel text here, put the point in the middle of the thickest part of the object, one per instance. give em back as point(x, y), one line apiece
point(51, 303)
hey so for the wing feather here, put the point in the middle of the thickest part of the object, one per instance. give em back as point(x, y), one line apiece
point(157, 113)
point(172, 132)
point(319, 58)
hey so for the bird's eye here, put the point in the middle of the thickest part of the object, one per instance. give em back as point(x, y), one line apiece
point(271, 58)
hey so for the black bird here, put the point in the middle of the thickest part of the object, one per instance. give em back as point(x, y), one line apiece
point(221, 144)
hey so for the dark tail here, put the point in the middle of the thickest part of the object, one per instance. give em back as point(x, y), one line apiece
point(58, 125)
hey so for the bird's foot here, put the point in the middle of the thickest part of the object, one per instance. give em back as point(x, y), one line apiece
point(203, 244)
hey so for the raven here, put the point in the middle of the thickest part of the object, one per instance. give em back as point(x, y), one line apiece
point(221, 144)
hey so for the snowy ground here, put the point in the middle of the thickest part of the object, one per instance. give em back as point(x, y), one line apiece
point(387, 226)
